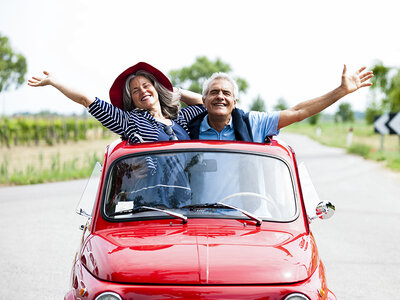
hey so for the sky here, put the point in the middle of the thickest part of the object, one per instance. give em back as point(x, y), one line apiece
point(292, 49)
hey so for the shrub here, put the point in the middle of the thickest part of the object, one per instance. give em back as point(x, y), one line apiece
point(360, 149)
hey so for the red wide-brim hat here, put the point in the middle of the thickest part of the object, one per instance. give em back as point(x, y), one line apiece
point(119, 83)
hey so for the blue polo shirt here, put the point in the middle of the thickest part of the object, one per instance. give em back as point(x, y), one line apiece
point(262, 124)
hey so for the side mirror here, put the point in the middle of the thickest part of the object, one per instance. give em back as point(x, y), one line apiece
point(324, 210)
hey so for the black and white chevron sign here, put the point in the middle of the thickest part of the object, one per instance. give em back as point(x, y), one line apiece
point(387, 124)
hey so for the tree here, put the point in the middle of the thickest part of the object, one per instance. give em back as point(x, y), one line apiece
point(393, 101)
point(387, 81)
point(258, 104)
point(344, 113)
point(313, 120)
point(372, 111)
point(12, 66)
point(281, 104)
point(193, 77)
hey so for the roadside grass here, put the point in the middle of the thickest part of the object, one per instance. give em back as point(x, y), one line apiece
point(364, 141)
point(21, 165)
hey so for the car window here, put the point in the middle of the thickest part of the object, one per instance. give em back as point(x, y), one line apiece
point(180, 182)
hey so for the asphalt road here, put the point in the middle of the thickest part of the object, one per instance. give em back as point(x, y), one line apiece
point(39, 236)
point(359, 245)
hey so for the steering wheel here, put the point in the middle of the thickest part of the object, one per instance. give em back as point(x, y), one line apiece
point(268, 198)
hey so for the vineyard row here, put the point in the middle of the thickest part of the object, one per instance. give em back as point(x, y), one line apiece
point(33, 131)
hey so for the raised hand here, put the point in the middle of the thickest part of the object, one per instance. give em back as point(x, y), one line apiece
point(72, 94)
point(355, 81)
point(38, 81)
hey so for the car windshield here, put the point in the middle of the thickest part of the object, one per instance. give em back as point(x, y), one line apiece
point(192, 183)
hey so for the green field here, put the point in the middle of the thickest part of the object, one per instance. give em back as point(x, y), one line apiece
point(364, 141)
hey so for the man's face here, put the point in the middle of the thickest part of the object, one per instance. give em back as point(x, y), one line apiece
point(219, 100)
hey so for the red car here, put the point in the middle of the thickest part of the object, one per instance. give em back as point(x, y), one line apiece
point(198, 220)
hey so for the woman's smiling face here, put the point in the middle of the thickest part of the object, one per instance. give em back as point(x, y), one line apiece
point(143, 93)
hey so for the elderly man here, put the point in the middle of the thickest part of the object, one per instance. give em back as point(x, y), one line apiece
point(223, 121)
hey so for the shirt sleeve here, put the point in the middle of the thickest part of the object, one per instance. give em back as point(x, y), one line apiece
point(109, 116)
point(191, 111)
point(263, 124)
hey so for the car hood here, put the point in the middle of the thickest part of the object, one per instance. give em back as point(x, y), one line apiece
point(200, 255)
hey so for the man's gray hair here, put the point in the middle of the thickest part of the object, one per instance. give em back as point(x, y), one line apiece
point(169, 101)
point(220, 75)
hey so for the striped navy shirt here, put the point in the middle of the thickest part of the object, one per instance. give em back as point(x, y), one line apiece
point(137, 125)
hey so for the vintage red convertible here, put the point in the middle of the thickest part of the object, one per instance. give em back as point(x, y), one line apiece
point(198, 220)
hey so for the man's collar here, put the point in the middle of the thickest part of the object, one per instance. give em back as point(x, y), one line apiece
point(204, 126)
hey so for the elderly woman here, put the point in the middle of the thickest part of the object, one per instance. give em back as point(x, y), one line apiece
point(144, 106)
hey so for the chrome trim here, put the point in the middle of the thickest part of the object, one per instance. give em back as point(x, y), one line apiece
point(108, 294)
point(301, 296)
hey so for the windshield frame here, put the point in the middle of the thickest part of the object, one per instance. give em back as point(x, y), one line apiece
point(106, 185)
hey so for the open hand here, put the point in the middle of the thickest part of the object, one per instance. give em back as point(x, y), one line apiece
point(352, 82)
point(37, 81)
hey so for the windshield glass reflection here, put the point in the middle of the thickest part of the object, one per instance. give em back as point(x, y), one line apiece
point(185, 182)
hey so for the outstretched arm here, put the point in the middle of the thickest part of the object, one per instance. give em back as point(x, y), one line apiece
point(350, 83)
point(72, 94)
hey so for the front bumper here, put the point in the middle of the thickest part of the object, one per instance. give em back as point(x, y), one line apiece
point(314, 288)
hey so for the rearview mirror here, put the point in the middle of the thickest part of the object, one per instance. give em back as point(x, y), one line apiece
point(205, 165)
point(324, 210)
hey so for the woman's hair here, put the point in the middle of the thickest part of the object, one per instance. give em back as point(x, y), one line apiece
point(220, 75)
point(169, 101)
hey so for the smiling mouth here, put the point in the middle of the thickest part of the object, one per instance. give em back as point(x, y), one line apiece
point(145, 98)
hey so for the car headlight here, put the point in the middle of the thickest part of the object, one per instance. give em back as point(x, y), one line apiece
point(296, 296)
point(108, 296)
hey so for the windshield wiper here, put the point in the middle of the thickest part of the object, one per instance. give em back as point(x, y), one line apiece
point(224, 205)
point(139, 209)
